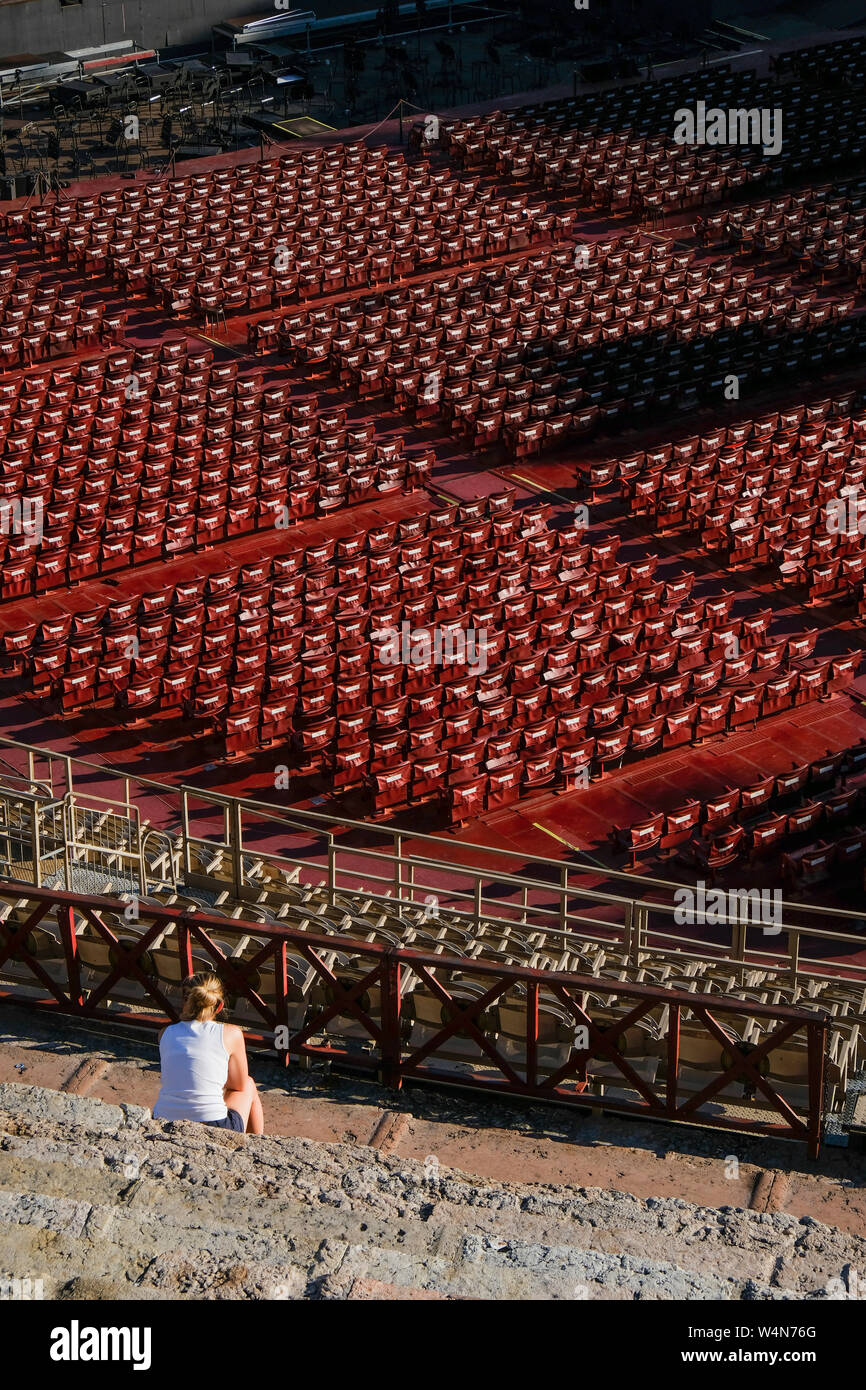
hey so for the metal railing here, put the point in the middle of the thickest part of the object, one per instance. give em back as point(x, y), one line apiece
point(407, 1014)
point(242, 846)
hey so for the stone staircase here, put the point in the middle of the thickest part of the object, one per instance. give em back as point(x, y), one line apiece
point(102, 1201)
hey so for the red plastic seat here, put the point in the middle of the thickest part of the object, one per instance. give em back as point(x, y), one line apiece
point(467, 797)
point(639, 838)
point(680, 826)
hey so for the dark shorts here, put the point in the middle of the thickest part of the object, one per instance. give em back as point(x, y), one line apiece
point(232, 1121)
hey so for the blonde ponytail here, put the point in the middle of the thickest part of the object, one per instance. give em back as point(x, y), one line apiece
point(202, 997)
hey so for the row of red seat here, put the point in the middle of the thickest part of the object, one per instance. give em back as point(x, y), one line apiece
point(789, 498)
point(826, 231)
point(724, 224)
point(616, 172)
point(292, 585)
point(800, 439)
point(725, 448)
point(621, 156)
point(518, 302)
point(296, 656)
point(488, 351)
point(569, 766)
point(41, 317)
point(822, 861)
point(131, 457)
point(761, 811)
point(623, 126)
point(246, 244)
point(475, 346)
point(629, 160)
point(769, 499)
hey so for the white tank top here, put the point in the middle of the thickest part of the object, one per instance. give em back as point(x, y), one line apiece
point(195, 1068)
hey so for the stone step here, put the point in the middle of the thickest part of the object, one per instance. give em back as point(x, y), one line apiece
point(97, 1250)
point(97, 1196)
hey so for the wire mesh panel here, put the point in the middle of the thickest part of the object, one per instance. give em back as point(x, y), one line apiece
point(19, 817)
point(104, 843)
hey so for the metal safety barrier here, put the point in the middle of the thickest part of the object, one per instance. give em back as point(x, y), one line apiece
point(403, 1014)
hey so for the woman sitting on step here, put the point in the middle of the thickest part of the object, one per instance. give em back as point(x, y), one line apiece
point(204, 1064)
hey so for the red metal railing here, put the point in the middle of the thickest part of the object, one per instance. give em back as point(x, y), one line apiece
point(367, 984)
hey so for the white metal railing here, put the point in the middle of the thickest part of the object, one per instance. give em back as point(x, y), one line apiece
point(479, 884)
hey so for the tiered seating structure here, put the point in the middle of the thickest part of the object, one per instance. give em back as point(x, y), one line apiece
point(615, 171)
point(616, 149)
point(579, 662)
point(781, 490)
point(144, 454)
point(777, 815)
point(528, 351)
point(282, 899)
point(140, 454)
point(253, 237)
point(823, 228)
point(42, 317)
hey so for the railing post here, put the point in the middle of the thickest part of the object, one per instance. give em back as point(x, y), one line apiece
point(476, 901)
point(563, 898)
point(639, 923)
point(673, 1058)
point(332, 870)
point(627, 916)
point(66, 923)
point(37, 848)
point(398, 867)
point(391, 1041)
point(132, 813)
point(532, 1034)
point(68, 834)
point(816, 1034)
point(237, 847)
point(184, 947)
point(794, 951)
point(184, 810)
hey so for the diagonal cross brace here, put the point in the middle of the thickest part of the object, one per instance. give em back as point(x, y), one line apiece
point(744, 1063)
point(603, 1039)
point(15, 941)
point(235, 969)
point(126, 965)
point(345, 1003)
point(462, 1019)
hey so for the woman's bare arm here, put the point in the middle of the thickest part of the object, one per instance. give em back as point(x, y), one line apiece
point(237, 1049)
